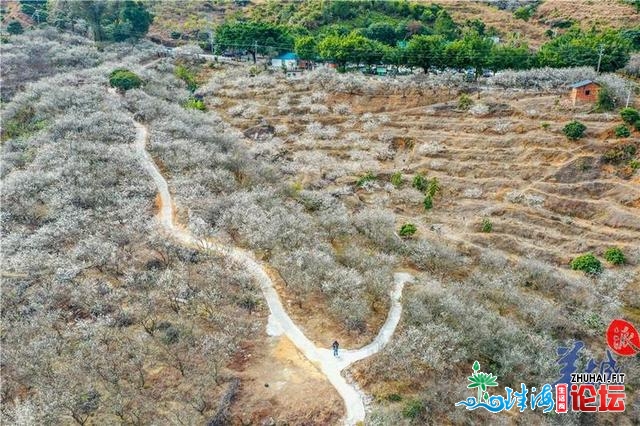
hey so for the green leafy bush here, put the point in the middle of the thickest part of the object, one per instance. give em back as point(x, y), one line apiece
point(368, 177)
point(464, 102)
point(545, 126)
point(574, 130)
point(614, 255)
point(188, 76)
point(396, 179)
point(419, 182)
point(407, 230)
point(630, 115)
point(524, 12)
point(14, 27)
point(622, 131)
point(587, 263)
point(433, 187)
point(605, 101)
point(194, 103)
point(487, 225)
point(634, 164)
point(124, 79)
point(427, 203)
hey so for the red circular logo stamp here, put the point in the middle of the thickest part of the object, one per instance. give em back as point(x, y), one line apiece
point(623, 338)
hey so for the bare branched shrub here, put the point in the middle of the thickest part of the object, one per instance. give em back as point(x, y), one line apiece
point(318, 109)
point(281, 129)
point(518, 197)
point(633, 66)
point(284, 104)
point(541, 78)
point(479, 110)
point(319, 131)
point(502, 127)
point(341, 108)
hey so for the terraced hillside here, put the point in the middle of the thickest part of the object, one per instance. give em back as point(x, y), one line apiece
point(518, 201)
point(506, 161)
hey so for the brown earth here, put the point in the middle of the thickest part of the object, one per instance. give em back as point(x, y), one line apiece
point(279, 386)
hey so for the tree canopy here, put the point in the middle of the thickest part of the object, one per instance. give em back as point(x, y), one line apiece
point(578, 48)
point(108, 21)
point(425, 51)
point(353, 48)
point(254, 37)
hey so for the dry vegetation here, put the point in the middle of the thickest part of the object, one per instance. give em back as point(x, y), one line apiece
point(505, 296)
point(609, 13)
point(585, 13)
point(105, 321)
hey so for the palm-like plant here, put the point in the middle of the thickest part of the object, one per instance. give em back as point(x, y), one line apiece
point(481, 381)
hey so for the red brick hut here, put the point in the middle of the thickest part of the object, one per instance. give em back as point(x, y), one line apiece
point(584, 91)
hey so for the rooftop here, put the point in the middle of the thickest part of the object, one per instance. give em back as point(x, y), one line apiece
point(582, 83)
point(287, 56)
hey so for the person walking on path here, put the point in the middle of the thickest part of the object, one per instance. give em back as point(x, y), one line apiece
point(335, 346)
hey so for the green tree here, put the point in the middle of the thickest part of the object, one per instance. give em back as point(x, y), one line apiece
point(383, 32)
point(14, 27)
point(109, 20)
point(633, 35)
point(579, 48)
point(353, 48)
point(471, 51)
point(425, 51)
point(396, 56)
point(135, 15)
point(476, 25)
point(445, 27)
point(343, 9)
point(510, 57)
point(254, 37)
point(93, 13)
point(306, 48)
point(332, 48)
point(35, 9)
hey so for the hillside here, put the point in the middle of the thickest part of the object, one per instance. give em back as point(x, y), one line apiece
point(191, 238)
point(188, 16)
point(547, 16)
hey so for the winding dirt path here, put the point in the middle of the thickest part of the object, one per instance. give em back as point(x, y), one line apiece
point(279, 321)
